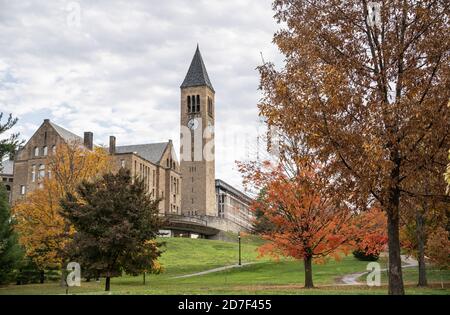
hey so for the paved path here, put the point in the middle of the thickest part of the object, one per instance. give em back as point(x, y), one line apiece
point(213, 270)
point(352, 279)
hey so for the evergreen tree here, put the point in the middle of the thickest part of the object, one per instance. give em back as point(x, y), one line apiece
point(116, 222)
point(10, 251)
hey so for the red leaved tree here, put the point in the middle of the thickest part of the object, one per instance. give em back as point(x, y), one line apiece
point(306, 224)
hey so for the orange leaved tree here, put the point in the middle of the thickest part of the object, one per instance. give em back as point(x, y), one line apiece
point(42, 230)
point(370, 233)
point(306, 224)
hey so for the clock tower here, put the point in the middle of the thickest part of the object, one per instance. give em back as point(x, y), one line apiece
point(198, 196)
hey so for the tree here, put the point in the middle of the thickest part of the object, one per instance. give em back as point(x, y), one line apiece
point(116, 222)
point(447, 173)
point(420, 220)
point(438, 249)
point(369, 100)
point(43, 231)
point(306, 224)
point(10, 251)
point(370, 234)
point(10, 144)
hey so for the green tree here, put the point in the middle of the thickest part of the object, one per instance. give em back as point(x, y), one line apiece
point(8, 145)
point(10, 251)
point(116, 222)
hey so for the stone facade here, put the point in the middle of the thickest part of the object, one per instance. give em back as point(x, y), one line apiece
point(198, 195)
point(162, 180)
point(30, 163)
point(162, 176)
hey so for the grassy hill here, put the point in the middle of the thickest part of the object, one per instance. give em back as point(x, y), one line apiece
point(185, 256)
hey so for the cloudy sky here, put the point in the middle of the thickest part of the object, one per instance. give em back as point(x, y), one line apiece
point(115, 67)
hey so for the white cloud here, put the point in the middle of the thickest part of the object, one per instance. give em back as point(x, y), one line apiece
point(119, 72)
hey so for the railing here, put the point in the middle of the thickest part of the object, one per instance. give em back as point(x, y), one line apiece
point(184, 218)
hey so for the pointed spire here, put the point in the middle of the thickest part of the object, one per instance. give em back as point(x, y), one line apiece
point(197, 74)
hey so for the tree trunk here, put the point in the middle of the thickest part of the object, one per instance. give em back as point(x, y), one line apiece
point(395, 261)
point(421, 249)
point(308, 272)
point(144, 278)
point(107, 283)
point(41, 276)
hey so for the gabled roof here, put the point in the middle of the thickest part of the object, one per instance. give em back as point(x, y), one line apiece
point(151, 151)
point(197, 74)
point(7, 167)
point(66, 134)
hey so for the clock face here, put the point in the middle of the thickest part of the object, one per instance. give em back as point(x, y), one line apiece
point(192, 124)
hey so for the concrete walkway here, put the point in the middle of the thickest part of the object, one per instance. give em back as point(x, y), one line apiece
point(352, 279)
point(213, 270)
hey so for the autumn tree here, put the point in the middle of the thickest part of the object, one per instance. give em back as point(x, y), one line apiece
point(116, 222)
point(420, 219)
point(368, 95)
point(370, 234)
point(306, 224)
point(438, 249)
point(43, 231)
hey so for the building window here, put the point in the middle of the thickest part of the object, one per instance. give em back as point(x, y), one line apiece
point(41, 171)
point(33, 173)
point(36, 151)
point(22, 189)
point(49, 174)
point(53, 149)
point(189, 103)
point(45, 150)
point(122, 163)
point(198, 103)
point(153, 179)
point(210, 107)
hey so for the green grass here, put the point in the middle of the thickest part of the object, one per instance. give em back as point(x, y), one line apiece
point(185, 256)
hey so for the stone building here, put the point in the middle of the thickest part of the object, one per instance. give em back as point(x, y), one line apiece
point(193, 200)
point(156, 163)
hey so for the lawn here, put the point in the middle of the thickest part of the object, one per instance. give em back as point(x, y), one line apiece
point(185, 256)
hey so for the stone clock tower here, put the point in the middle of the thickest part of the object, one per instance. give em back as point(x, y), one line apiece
point(198, 195)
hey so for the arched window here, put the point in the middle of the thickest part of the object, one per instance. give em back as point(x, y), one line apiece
point(36, 151)
point(53, 149)
point(45, 150)
point(189, 103)
point(198, 103)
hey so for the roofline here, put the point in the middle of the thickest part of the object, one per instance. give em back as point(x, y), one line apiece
point(221, 183)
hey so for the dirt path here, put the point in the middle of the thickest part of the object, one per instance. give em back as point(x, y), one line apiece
point(213, 270)
point(352, 279)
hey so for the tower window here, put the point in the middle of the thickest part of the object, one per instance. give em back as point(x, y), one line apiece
point(189, 104)
point(198, 103)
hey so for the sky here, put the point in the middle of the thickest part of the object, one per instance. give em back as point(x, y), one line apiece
point(115, 68)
